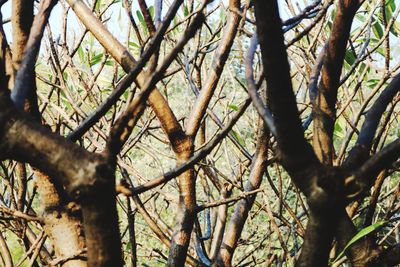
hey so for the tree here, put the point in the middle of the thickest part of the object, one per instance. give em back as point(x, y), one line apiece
point(150, 146)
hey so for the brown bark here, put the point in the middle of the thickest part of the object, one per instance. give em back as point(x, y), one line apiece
point(181, 145)
point(61, 225)
point(87, 177)
point(239, 217)
point(186, 213)
point(214, 75)
point(62, 221)
point(319, 184)
point(326, 188)
point(7, 71)
point(22, 18)
point(362, 253)
point(220, 225)
point(5, 253)
point(324, 110)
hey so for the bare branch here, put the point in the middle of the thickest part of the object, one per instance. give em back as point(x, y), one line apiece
point(295, 153)
point(219, 60)
point(262, 110)
point(324, 109)
point(199, 155)
point(124, 125)
point(239, 217)
point(26, 71)
point(364, 177)
point(128, 80)
point(364, 142)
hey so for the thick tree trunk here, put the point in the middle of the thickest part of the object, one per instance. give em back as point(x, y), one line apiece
point(186, 213)
point(62, 223)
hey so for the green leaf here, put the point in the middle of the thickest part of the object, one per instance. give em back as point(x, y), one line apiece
point(151, 11)
point(350, 57)
point(362, 68)
point(395, 29)
point(134, 45)
point(68, 105)
point(81, 54)
point(128, 246)
point(388, 12)
point(365, 231)
point(96, 59)
point(238, 138)
point(125, 95)
point(90, 40)
point(377, 29)
point(391, 4)
point(372, 83)
point(233, 107)
point(98, 5)
point(338, 130)
point(373, 40)
point(381, 51)
point(185, 10)
point(141, 20)
point(62, 94)
point(140, 16)
point(329, 24)
point(360, 17)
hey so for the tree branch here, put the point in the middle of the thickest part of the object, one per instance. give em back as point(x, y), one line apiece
point(262, 110)
point(127, 121)
point(324, 109)
point(363, 178)
point(128, 80)
point(26, 71)
point(359, 153)
point(294, 152)
point(137, 68)
point(239, 217)
point(198, 156)
point(219, 60)
point(87, 177)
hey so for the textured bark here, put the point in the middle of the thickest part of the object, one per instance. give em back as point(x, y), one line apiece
point(5, 253)
point(327, 189)
point(77, 186)
point(219, 229)
point(324, 110)
point(101, 225)
point(317, 240)
point(214, 75)
point(186, 213)
point(61, 225)
point(239, 217)
point(320, 184)
point(87, 177)
point(362, 253)
point(22, 18)
point(30, 239)
point(7, 71)
point(181, 145)
point(62, 221)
